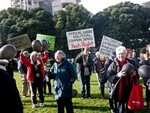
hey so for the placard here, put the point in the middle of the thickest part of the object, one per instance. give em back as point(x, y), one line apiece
point(108, 45)
point(80, 39)
point(20, 42)
point(47, 37)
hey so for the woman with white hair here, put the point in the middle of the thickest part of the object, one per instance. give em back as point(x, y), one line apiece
point(35, 74)
point(99, 62)
point(124, 86)
point(64, 75)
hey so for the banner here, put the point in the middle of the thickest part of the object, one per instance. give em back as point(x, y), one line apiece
point(108, 45)
point(80, 39)
point(47, 37)
point(20, 42)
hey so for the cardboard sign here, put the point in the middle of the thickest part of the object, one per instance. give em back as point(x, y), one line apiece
point(80, 39)
point(47, 37)
point(108, 45)
point(20, 42)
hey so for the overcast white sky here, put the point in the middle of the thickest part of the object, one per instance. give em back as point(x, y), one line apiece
point(93, 6)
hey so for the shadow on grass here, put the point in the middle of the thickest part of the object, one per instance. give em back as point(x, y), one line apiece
point(92, 108)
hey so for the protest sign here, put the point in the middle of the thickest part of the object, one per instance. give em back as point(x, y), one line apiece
point(47, 37)
point(20, 42)
point(80, 39)
point(108, 45)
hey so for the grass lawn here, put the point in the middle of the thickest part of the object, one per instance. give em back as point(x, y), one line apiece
point(94, 105)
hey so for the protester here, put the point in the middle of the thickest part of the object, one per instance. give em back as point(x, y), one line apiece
point(124, 86)
point(64, 75)
point(135, 59)
point(74, 65)
point(129, 53)
point(9, 67)
point(35, 75)
point(108, 84)
point(9, 96)
point(99, 62)
point(47, 82)
point(22, 69)
point(145, 60)
point(85, 61)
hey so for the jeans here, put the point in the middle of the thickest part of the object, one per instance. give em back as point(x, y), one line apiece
point(85, 81)
point(101, 85)
point(63, 102)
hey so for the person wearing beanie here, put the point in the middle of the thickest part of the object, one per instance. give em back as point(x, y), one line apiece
point(22, 69)
point(35, 74)
point(9, 96)
point(64, 75)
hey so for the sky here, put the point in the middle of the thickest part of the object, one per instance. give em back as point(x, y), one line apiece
point(94, 6)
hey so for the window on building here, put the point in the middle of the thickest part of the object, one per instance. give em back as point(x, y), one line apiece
point(55, 0)
point(56, 8)
point(29, 2)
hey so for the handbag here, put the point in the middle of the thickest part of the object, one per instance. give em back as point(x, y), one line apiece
point(136, 101)
point(102, 75)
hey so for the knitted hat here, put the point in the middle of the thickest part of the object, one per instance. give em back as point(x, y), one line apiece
point(143, 50)
point(87, 48)
point(26, 54)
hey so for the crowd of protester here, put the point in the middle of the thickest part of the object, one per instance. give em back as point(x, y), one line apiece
point(35, 74)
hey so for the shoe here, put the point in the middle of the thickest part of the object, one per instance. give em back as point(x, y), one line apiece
point(102, 97)
point(23, 96)
point(112, 111)
point(42, 105)
point(90, 97)
point(82, 97)
point(33, 105)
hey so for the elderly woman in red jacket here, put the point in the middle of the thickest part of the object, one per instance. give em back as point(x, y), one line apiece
point(35, 74)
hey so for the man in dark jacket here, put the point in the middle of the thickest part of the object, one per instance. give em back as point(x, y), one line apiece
point(22, 69)
point(10, 98)
point(85, 61)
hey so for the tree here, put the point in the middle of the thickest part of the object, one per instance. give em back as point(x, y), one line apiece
point(15, 22)
point(123, 22)
point(75, 17)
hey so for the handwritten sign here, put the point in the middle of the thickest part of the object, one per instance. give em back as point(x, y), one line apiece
point(47, 37)
point(108, 45)
point(80, 39)
point(20, 42)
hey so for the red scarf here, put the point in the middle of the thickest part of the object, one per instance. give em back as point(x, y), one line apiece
point(121, 64)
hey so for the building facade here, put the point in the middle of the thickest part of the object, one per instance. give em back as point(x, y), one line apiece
point(50, 5)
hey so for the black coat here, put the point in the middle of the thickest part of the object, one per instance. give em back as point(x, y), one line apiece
point(10, 101)
point(112, 77)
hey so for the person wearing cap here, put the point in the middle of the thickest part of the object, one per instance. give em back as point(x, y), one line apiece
point(35, 74)
point(85, 61)
point(115, 74)
point(64, 75)
point(22, 69)
point(9, 96)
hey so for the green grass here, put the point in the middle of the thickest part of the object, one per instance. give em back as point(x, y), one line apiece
point(95, 105)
